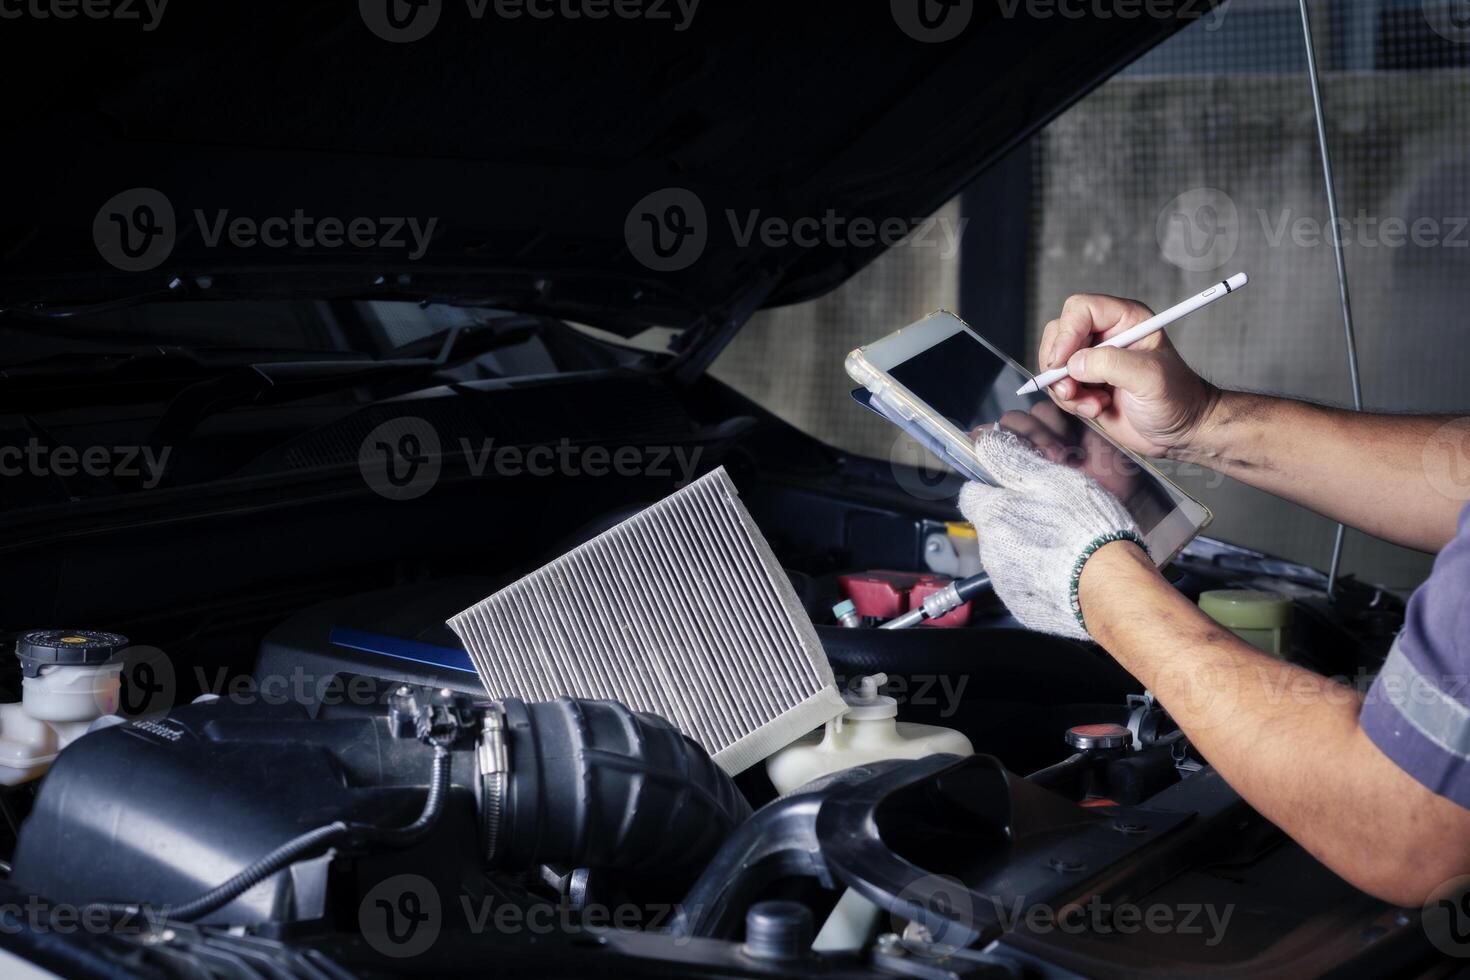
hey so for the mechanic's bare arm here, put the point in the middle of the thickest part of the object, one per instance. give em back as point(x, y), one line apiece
point(1285, 738)
point(1365, 470)
point(1369, 471)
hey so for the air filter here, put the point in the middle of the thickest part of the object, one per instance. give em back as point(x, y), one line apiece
point(682, 611)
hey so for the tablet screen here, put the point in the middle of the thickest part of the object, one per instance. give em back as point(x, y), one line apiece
point(963, 380)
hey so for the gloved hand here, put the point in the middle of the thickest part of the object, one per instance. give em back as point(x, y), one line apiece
point(1037, 530)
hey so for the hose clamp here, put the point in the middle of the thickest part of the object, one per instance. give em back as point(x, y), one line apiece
point(492, 757)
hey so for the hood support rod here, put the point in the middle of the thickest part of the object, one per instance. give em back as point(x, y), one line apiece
point(1342, 281)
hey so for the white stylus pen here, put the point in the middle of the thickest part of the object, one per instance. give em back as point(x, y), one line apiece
point(1147, 328)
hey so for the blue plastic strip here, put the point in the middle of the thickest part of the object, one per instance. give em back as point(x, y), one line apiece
point(922, 436)
point(432, 654)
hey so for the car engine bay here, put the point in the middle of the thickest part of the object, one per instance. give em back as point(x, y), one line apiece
point(298, 772)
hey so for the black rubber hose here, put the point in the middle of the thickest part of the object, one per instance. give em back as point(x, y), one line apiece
point(314, 842)
point(997, 663)
point(588, 784)
point(433, 806)
point(594, 784)
point(969, 588)
point(308, 844)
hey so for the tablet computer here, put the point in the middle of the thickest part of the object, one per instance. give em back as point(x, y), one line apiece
point(941, 381)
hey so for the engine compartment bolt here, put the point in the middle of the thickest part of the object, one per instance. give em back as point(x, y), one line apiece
point(1066, 865)
point(889, 944)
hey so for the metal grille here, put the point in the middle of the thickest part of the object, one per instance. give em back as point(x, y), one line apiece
point(682, 611)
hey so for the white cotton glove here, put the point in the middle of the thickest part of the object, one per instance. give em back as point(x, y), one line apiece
point(1037, 530)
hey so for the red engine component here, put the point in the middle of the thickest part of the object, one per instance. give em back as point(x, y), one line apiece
point(958, 616)
point(883, 593)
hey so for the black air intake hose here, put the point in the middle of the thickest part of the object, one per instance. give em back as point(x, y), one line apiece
point(568, 782)
point(592, 784)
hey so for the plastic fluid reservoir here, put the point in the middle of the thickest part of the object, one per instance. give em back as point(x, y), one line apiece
point(69, 679)
point(867, 731)
point(1262, 619)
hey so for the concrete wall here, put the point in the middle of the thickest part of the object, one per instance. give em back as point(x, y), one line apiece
point(1120, 184)
point(790, 359)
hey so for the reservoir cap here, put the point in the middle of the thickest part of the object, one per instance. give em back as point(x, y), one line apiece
point(68, 648)
point(1246, 609)
point(864, 703)
point(1085, 738)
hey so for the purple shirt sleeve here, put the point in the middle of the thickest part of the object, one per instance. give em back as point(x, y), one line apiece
point(1418, 709)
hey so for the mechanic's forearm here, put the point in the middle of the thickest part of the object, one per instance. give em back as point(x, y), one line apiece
point(1285, 738)
point(1368, 471)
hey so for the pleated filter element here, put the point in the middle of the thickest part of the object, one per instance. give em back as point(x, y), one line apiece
point(683, 611)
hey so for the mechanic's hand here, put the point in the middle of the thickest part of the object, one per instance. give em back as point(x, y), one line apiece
point(1037, 530)
point(1144, 396)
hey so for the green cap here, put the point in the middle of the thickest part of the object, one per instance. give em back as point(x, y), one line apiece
point(1246, 609)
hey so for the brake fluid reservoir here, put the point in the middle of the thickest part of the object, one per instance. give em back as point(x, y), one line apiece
point(868, 731)
point(69, 679)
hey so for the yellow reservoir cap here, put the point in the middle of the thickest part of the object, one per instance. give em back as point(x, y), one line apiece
point(1246, 609)
point(1262, 619)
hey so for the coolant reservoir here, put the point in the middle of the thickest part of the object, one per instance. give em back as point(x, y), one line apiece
point(868, 731)
point(1262, 619)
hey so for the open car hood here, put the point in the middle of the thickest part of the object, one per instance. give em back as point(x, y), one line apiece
point(516, 161)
